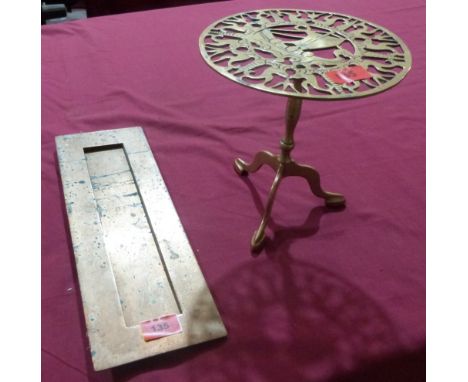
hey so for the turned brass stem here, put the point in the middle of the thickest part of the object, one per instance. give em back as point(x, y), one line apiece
point(293, 112)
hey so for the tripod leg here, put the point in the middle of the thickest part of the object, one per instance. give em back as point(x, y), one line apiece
point(313, 178)
point(261, 158)
point(259, 234)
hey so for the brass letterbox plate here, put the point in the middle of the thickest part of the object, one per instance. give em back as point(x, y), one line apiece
point(132, 255)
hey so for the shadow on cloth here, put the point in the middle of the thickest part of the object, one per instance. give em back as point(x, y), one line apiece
point(409, 367)
point(290, 320)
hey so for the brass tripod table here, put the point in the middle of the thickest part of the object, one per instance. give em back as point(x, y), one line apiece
point(302, 54)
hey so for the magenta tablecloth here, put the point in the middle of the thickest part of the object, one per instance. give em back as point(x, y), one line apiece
point(336, 296)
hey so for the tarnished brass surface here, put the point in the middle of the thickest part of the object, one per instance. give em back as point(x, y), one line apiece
point(288, 52)
point(133, 258)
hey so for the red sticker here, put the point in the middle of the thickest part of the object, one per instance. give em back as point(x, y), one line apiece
point(348, 74)
point(161, 327)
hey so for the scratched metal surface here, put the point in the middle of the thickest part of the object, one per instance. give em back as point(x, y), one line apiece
point(133, 259)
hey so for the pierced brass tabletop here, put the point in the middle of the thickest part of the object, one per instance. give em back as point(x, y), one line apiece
point(294, 53)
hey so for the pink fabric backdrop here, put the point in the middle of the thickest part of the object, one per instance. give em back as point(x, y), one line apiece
point(336, 296)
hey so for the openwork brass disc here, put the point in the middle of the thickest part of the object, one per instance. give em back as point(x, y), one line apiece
point(289, 52)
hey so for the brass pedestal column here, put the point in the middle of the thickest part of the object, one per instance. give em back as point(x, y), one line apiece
point(284, 167)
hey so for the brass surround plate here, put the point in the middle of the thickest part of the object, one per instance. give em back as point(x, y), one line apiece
point(288, 52)
point(133, 258)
